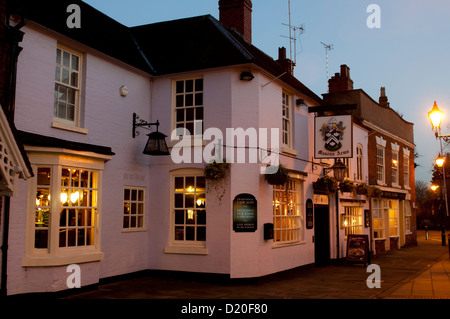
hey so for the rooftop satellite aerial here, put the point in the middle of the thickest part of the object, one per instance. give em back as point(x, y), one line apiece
point(293, 38)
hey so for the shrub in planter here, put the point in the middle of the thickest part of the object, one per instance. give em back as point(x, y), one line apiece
point(279, 178)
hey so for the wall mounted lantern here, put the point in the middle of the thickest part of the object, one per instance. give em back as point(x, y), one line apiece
point(156, 144)
point(247, 76)
point(339, 169)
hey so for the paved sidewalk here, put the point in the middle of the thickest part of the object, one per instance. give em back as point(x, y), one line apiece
point(431, 283)
point(420, 272)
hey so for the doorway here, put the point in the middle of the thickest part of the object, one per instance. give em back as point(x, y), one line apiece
point(321, 235)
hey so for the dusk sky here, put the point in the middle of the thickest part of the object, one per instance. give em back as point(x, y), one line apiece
point(408, 54)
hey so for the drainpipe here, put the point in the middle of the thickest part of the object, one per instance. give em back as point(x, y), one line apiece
point(337, 226)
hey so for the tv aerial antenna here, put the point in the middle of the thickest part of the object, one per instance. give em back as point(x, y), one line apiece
point(328, 47)
point(293, 38)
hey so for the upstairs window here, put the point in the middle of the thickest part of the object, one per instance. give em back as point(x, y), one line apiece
point(286, 125)
point(380, 165)
point(188, 108)
point(67, 86)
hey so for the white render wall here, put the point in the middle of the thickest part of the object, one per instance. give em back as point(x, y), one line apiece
point(228, 103)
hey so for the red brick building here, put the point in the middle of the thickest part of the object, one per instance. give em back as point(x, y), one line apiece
point(390, 149)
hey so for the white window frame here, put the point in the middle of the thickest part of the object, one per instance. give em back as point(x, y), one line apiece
point(353, 220)
point(59, 122)
point(286, 125)
point(186, 246)
point(393, 218)
point(359, 163)
point(196, 124)
point(408, 214)
point(134, 209)
point(381, 171)
point(288, 216)
point(379, 218)
point(54, 255)
point(406, 171)
point(395, 168)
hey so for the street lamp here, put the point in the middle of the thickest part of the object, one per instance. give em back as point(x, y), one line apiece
point(435, 116)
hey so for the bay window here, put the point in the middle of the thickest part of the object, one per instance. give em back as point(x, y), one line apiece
point(64, 207)
point(288, 212)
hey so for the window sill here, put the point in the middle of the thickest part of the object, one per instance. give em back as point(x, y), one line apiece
point(186, 250)
point(134, 230)
point(281, 245)
point(49, 261)
point(287, 150)
point(67, 127)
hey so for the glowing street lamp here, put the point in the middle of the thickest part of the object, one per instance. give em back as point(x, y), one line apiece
point(440, 161)
point(435, 116)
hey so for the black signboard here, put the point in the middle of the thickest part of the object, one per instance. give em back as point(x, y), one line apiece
point(358, 248)
point(245, 213)
point(309, 214)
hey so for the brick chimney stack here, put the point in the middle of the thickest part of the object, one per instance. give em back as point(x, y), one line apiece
point(341, 82)
point(286, 64)
point(237, 14)
point(383, 101)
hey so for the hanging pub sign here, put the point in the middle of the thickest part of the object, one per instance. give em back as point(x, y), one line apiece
point(245, 213)
point(333, 136)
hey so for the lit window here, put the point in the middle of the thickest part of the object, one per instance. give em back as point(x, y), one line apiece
point(133, 208)
point(74, 193)
point(379, 211)
point(188, 106)
point(394, 167)
point(353, 220)
point(189, 209)
point(78, 197)
point(393, 218)
point(288, 212)
point(67, 86)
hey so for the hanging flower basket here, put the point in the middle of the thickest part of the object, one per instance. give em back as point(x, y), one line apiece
point(374, 192)
point(281, 177)
point(326, 184)
point(216, 171)
point(362, 189)
point(347, 186)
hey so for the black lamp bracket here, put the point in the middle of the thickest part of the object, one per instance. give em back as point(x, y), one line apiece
point(141, 123)
point(446, 138)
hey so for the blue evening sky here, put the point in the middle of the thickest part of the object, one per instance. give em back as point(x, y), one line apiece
point(408, 54)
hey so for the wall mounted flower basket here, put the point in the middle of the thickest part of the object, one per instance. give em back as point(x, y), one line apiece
point(374, 192)
point(216, 171)
point(326, 184)
point(347, 186)
point(362, 189)
point(281, 177)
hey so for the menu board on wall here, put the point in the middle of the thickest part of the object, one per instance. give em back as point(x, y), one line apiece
point(358, 248)
point(245, 218)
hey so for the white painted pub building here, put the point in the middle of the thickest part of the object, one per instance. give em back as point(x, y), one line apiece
point(97, 201)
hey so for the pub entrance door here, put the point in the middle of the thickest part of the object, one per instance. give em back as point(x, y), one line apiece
point(322, 235)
